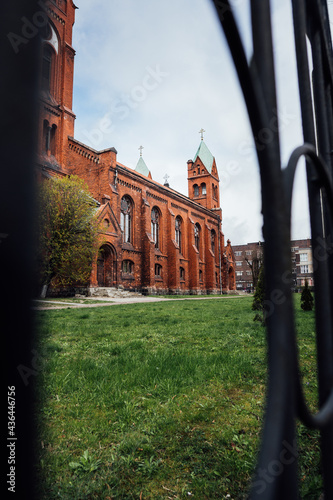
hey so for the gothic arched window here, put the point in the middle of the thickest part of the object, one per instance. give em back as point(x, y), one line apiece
point(213, 239)
point(178, 232)
point(203, 189)
point(126, 218)
point(155, 226)
point(196, 190)
point(197, 236)
point(47, 62)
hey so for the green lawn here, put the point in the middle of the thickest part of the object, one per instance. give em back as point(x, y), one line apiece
point(167, 398)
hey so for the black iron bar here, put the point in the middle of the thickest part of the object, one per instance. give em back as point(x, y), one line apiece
point(285, 399)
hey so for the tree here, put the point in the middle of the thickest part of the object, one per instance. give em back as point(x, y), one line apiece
point(68, 231)
point(255, 263)
point(259, 297)
point(306, 298)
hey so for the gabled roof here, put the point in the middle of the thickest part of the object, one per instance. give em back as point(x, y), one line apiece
point(205, 156)
point(106, 210)
point(142, 168)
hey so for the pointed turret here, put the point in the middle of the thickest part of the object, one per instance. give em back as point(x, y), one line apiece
point(141, 166)
point(203, 178)
point(205, 156)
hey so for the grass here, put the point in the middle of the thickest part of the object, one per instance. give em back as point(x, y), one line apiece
point(187, 296)
point(159, 400)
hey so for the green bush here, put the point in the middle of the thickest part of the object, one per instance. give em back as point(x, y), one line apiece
point(306, 298)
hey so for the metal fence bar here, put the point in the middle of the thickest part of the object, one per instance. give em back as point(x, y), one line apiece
point(285, 399)
point(19, 51)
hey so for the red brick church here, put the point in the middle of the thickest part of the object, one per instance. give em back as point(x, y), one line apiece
point(154, 238)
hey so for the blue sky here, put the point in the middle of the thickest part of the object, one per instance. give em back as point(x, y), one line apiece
point(154, 73)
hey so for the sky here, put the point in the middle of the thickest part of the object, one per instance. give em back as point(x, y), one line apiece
point(155, 73)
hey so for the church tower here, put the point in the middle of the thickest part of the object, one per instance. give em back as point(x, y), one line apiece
point(56, 82)
point(203, 178)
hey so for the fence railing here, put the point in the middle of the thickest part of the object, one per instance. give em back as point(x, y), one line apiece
point(285, 398)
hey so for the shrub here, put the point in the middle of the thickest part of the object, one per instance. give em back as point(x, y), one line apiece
point(306, 298)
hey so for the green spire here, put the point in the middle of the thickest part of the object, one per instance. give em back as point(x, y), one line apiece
point(142, 168)
point(205, 156)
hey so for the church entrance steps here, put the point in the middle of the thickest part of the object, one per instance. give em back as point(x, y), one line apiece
point(111, 292)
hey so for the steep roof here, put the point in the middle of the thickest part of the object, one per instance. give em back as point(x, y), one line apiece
point(205, 156)
point(142, 168)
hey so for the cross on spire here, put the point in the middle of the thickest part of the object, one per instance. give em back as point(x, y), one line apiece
point(202, 132)
point(166, 183)
point(141, 148)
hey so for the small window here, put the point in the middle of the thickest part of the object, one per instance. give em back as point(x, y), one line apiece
point(196, 190)
point(53, 139)
point(127, 267)
point(239, 263)
point(203, 189)
point(158, 270)
point(182, 273)
point(304, 269)
point(248, 252)
point(46, 136)
point(238, 254)
point(303, 257)
point(106, 223)
point(200, 275)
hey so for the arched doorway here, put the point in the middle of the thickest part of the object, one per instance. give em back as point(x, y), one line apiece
point(106, 266)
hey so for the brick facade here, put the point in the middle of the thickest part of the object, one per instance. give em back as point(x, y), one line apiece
point(153, 238)
point(301, 261)
point(244, 257)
